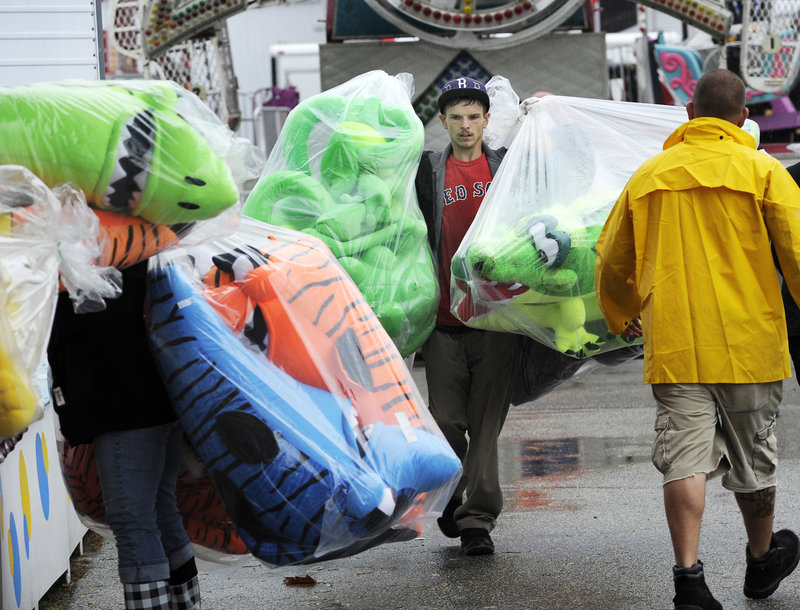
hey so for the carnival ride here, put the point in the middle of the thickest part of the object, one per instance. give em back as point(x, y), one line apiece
point(187, 41)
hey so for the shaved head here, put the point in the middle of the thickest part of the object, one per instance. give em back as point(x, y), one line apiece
point(720, 94)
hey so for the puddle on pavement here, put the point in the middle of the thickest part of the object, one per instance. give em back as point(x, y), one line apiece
point(524, 464)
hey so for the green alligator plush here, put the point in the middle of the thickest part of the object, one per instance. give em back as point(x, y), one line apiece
point(126, 147)
point(539, 253)
point(342, 171)
point(539, 276)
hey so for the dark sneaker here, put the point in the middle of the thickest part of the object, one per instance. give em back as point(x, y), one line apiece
point(476, 541)
point(764, 574)
point(691, 591)
point(447, 522)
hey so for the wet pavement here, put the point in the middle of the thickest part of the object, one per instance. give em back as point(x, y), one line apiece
point(583, 525)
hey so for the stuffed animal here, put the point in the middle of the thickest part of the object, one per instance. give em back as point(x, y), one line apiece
point(126, 240)
point(294, 397)
point(18, 401)
point(527, 263)
point(204, 516)
point(541, 254)
point(537, 275)
point(126, 147)
point(342, 171)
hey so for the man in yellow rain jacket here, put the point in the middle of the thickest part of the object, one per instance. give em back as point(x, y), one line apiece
point(684, 260)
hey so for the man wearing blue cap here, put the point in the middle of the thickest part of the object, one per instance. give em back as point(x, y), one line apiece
point(469, 371)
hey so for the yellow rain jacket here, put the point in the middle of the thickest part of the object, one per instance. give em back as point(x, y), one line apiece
point(687, 248)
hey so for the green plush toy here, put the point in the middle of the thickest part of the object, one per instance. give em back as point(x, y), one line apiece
point(126, 147)
point(542, 255)
point(343, 172)
point(539, 276)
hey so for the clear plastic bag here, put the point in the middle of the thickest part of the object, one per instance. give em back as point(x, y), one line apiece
point(343, 171)
point(526, 264)
point(130, 146)
point(506, 114)
point(294, 397)
point(210, 529)
point(42, 233)
point(156, 165)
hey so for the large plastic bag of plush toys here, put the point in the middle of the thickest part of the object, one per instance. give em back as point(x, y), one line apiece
point(115, 172)
point(294, 397)
point(343, 171)
point(44, 235)
point(527, 263)
point(150, 158)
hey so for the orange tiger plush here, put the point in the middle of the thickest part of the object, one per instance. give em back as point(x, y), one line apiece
point(126, 240)
point(294, 397)
point(204, 516)
point(287, 299)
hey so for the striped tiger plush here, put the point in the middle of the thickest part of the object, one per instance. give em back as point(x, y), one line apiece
point(295, 399)
point(203, 513)
point(126, 240)
point(287, 295)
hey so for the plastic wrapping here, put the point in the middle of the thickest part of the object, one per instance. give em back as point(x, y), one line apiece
point(343, 171)
point(211, 531)
point(154, 162)
point(41, 231)
point(526, 264)
point(156, 165)
point(506, 114)
point(128, 146)
point(294, 397)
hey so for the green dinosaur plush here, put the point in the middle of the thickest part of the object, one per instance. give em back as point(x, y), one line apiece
point(343, 171)
point(127, 148)
point(537, 252)
point(538, 276)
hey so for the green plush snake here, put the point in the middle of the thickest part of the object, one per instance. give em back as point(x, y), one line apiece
point(349, 136)
point(288, 199)
point(349, 165)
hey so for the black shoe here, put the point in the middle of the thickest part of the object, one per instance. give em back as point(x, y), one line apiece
point(691, 591)
point(447, 522)
point(764, 574)
point(476, 541)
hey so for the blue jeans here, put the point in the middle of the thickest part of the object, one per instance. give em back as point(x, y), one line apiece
point(138, 473)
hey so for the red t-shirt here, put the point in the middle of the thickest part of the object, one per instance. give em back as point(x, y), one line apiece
point(465, 184)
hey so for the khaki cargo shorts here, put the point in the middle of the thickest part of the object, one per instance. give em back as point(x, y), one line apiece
point(724, 429)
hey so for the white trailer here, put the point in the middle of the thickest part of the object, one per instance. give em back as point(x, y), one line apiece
point(42, 40)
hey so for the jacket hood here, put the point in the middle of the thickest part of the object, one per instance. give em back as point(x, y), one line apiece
point(703, 127)
point(705, 152)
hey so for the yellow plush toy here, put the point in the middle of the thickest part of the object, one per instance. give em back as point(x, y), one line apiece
point(17, 397)
point(36, 231)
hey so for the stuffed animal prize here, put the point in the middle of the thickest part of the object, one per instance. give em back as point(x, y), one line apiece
point(527, 263)
point(125, 145)
point(343, 171)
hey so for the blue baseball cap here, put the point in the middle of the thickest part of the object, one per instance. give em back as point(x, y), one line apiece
point(460, 88)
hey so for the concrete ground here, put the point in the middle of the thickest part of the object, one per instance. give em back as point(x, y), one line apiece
point(583, 525)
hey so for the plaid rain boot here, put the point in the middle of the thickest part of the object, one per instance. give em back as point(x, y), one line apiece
point(185, 596)
point(146, 595)
point(764, 574)
point(184, 588)
point(691, 591)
